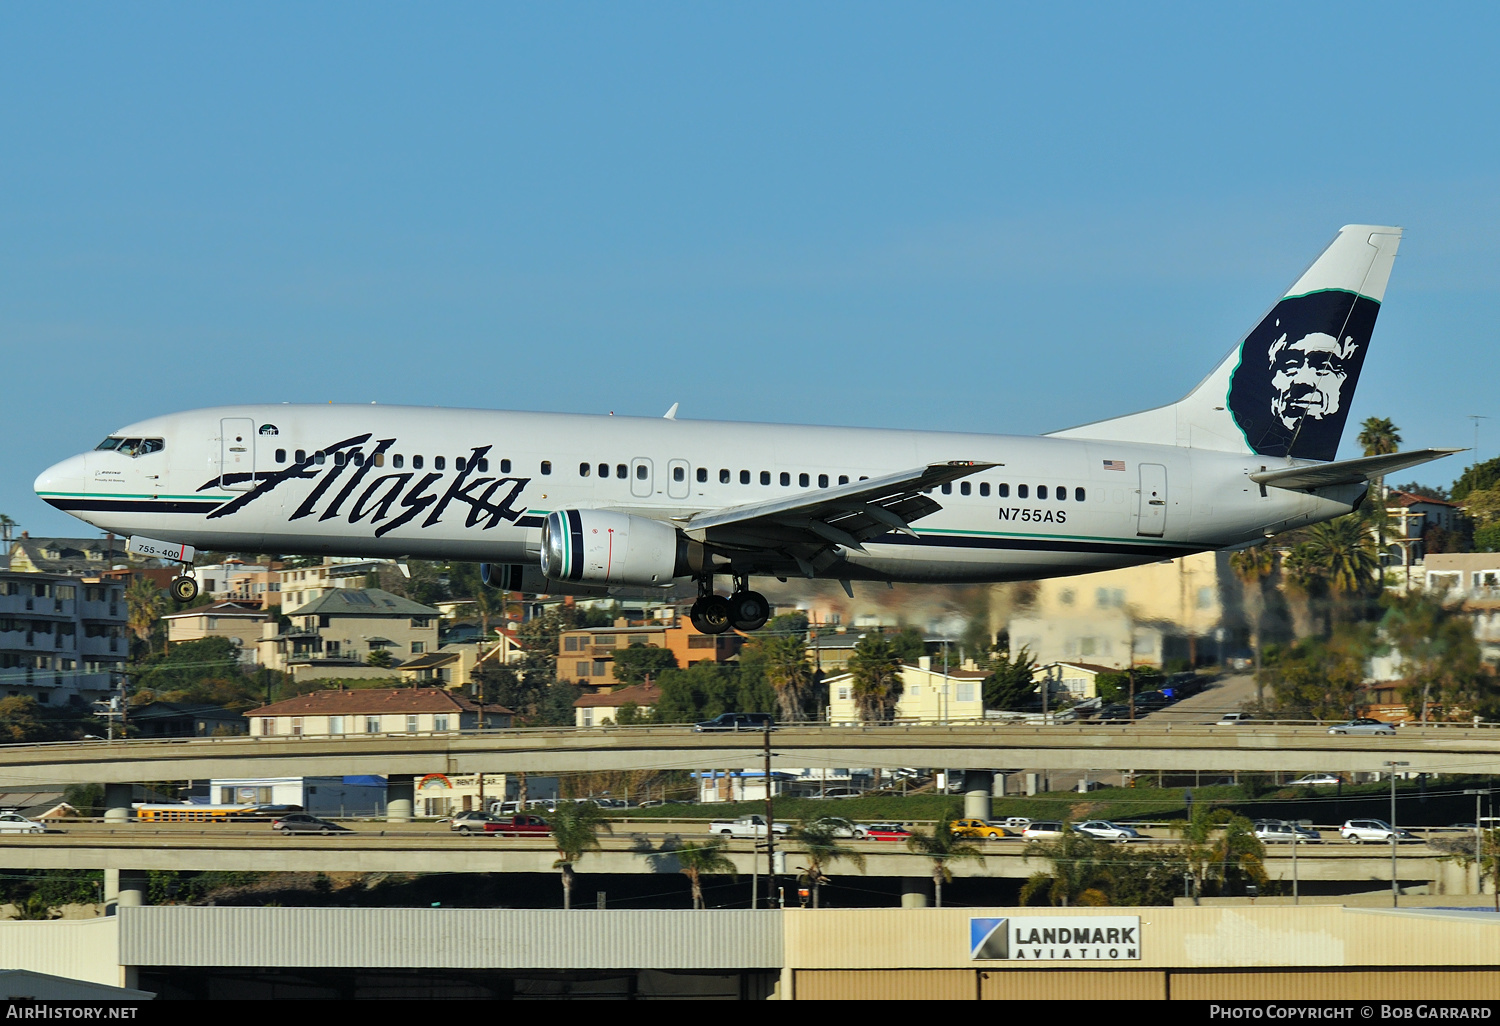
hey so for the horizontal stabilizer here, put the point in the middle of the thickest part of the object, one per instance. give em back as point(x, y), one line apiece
point(1323, 475)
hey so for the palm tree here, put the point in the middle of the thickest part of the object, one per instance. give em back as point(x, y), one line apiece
point(1254, 567)
point(6, 527)
point(788, 672)
point(876, 671)
point(1379, 438)
point(1341, 554)
point(1219, 843)
point(943, 848)
point(143, 604)
point(819, 841)
point(575, 832)
point(696, 861)
point(1080, 873)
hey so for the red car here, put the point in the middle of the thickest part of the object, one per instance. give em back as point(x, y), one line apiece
point(518, 826)
point(887, 832)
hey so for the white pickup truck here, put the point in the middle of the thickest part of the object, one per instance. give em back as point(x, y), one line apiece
point(745, 826)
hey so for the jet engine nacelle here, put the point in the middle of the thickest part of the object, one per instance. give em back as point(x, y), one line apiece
point(594, 546)
point(527, 578)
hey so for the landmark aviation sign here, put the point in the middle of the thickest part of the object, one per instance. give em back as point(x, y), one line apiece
point(1056, 938)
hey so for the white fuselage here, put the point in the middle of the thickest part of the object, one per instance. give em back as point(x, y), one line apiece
point(228, 479)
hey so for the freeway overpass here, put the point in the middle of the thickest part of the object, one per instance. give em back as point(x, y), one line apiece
point(1141, 746)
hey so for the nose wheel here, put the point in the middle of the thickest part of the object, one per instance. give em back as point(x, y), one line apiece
point(183, 589)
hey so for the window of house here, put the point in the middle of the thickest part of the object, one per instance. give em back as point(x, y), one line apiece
point(411, 723)
point(966, 691)
point(335, 724)
point(418, 647)
point(267, 726)
point(601, 668)
point(570, 644)
point(296, 726)
point(372, 724)
point(440, 722)
point(582, 669)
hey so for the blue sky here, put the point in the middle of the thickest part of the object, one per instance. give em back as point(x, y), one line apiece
point(987, 217)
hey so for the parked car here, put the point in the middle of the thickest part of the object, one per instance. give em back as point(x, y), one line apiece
point(736, 722)
point(1316, 780)
point(981, 828)
point(1279, 831)
point(15, 823)
point(1375, 831)
point(303, 823)
point(1363, 725)
point(886, 832)
point(1043, 830)
point(1103, 830)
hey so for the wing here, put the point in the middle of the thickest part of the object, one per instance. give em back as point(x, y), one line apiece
point(802, 527)
point(1322, 475)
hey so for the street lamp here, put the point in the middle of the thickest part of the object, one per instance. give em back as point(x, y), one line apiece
point(1395, 886)
point(1478, 836)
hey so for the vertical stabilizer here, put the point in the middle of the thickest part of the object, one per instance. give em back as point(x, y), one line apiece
point(1285, 390)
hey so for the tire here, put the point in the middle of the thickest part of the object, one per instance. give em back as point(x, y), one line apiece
point(749, 610)
point(1354, 839)
point(710, 615)
point(183, 589)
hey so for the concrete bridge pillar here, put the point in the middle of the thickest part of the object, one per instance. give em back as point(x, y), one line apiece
point(117, 803)
point(400, 797)
point(979, 788)
point(914, 892)
point(123, 888)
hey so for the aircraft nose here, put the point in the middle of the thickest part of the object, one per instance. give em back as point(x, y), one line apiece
point(61, 479)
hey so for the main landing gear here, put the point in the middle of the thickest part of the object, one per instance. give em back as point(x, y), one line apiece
point(745, 610)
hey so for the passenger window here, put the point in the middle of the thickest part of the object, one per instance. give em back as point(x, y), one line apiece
point(339, 459)
point(1062, 493)
point(702, 474)
point(678, 473)
point(803, 480)
point(458, 463)
point(301, 455)
point(1041, 491)
point(583, 470)
point(822, 480)
point(948, 488)
point(843, 479)
point(1077, 494)
point(640, 472)
point(440, 463)
point(484, 466)
point(321, 458)
point(864, 477)
point(398, 461)
point(416, 463)
point(1022, 491)
point(358, 458)
point(621, 470)
point(1002, 490)
point(280, 455)
point(984, 488)
point(505, 466)
point(786, 479)
point(603, 470)
point(765, 477)
point(744, 477)
point(546, 466)
point(964, 488)
point(724, 475)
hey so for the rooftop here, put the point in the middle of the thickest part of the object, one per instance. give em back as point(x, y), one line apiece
point(371, 701)
point(363, 602)
point(640, 694)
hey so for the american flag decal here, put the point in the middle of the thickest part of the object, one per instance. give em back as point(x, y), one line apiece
point(1114, 464)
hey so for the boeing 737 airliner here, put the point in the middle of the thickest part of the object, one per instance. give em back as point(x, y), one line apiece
point(569, 503)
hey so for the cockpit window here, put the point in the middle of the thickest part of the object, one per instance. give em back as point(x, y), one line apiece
point(268, 429)
point(139, 446)
point(109, 443)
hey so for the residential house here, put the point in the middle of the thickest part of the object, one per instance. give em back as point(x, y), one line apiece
point(62, 638)
point(241, 622)
point(71, 556)
point(1077, 680)
point(334, 635)
point(1409, 518)
point(164, 719)
point(344, 712)
point(586, 655)
point(928, 695)
point(603, 707)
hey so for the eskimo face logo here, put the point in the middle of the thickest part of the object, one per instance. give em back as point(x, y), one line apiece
point(1308, 377)
point(1298, 369)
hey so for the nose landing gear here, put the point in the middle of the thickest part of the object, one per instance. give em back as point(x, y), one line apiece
point(744, 610)
point(183, 589)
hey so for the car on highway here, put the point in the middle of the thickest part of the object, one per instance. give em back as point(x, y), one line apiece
point(736, 722)
point(15, 823)
point(1372, 831)
point(979, 828)
point(886, 832)
point(1316, 780)
point(1103, 830)
point(1279, 831)
point(1233, 719)
point(1043, 830)
point(471, 822)
point(517, 826)
point(842, 827)
point(303, 823)
point(1363, 725)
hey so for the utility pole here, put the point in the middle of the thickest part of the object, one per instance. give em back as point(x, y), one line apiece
point(1395, 886)
point(770, 829)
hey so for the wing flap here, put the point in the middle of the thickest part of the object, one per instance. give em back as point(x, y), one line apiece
point(1323, 475)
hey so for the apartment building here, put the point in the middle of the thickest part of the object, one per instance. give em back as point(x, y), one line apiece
point(242, 622)
point(586, 656)
point(334, 635)
point(62, 638)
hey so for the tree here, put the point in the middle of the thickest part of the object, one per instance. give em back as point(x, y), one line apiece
point(875, 669)
point(1319, 679)
point(380, 657)
point(789, 674)
point(1012, 680)
point(1461, 850)
point(7, 526)
point(1221, 849)
point(1254, 567)
point(943, 848)
point(575, 832)
point(143, 607)
point(1379, 436)
point(819, 841)
point(1079, 874)
point(1440, 659)
point(19, 720)
point(696, 861)
point(1476, 477)
point(634, 664)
